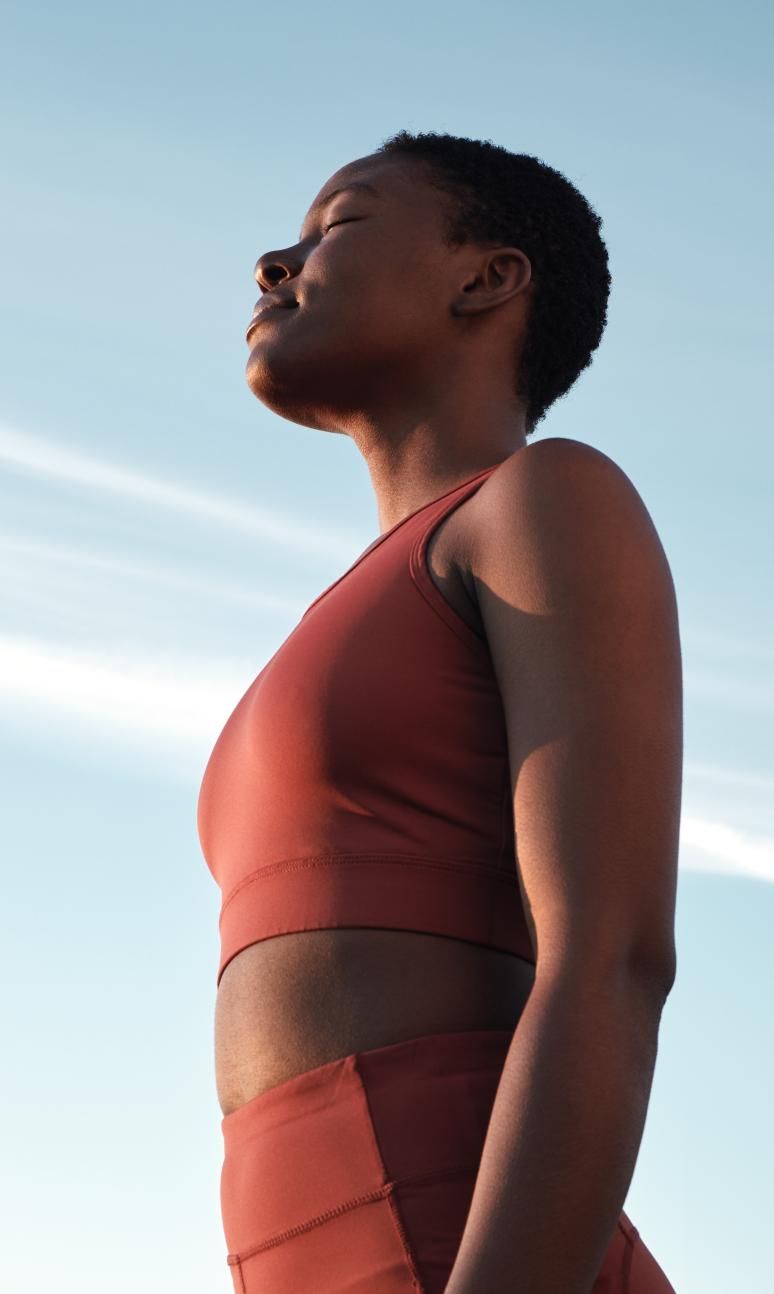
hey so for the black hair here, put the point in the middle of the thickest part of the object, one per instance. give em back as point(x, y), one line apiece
point(517, 200)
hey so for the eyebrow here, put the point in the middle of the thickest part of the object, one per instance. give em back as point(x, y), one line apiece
point(354, 184)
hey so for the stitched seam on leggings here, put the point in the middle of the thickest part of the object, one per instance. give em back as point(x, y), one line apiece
point(392, 1203)
point(404, 1241)
point(381, 1192)
point(628, 1259)
point(233, 1261)
point(442, 1174)
point(370, 1198)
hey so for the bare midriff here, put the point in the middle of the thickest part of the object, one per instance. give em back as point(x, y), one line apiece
point(295, 1001)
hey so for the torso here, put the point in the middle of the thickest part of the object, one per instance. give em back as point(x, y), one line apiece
point(295, 1001)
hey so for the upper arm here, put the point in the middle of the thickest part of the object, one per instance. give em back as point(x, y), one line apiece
point(579, 610)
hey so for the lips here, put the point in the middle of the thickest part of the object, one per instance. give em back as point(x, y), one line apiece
point(267, 306)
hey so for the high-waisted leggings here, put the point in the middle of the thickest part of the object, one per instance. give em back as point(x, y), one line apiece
point(356, 1177)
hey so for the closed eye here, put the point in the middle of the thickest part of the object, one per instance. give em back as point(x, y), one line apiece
point(339, 222)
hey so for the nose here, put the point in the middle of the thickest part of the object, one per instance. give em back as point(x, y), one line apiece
point(272, 269)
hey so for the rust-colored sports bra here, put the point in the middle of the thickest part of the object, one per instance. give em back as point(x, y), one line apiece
point(363, 778)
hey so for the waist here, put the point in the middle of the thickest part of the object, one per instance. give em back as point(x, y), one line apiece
point(286, 1005)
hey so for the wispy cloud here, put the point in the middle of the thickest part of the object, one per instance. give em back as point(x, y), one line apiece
point(168, 576)
point(744, 778)
point(167, 696)
point(39, 456)
point(185, 703)
point(718, 847)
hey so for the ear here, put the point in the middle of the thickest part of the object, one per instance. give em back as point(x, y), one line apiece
point(501, 275)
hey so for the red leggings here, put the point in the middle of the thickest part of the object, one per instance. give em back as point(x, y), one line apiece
point(356, 1177)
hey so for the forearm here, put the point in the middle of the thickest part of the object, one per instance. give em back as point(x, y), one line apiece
point(563, 1138)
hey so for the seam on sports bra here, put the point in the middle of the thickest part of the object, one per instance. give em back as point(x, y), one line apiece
point(398, 524)
point(473, 866)
point(424, 582)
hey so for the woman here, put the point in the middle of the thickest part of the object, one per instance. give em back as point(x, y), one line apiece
point(454, 790)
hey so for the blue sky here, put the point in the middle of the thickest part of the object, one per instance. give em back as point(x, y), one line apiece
point(161, 532)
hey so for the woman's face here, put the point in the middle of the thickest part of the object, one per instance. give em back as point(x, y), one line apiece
point(373, 283)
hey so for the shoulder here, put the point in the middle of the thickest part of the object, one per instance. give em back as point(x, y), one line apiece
point(560, 514)
point(554, 470)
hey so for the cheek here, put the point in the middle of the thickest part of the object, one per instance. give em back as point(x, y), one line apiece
point(371, 302)
point(385, 324)
point(395, 303)
point(364, 282)
point(365, 311)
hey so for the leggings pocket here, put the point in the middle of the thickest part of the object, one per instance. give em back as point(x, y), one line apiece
point(307, 1204)
point(358, 1247)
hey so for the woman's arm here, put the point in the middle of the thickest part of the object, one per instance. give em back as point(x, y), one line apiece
point(579, 609)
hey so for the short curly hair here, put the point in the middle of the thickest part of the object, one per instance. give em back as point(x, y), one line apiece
point(519, 201)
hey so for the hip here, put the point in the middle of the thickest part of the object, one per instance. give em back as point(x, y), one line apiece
point(357, 1175)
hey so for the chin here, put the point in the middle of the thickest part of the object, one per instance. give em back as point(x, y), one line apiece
point(279, 394)
point(300, 388)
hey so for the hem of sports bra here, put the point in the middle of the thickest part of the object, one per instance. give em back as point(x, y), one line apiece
point(475, 901)
point(470, 866)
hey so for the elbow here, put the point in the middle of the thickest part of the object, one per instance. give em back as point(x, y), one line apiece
point(636, 971)
point(654, 969)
